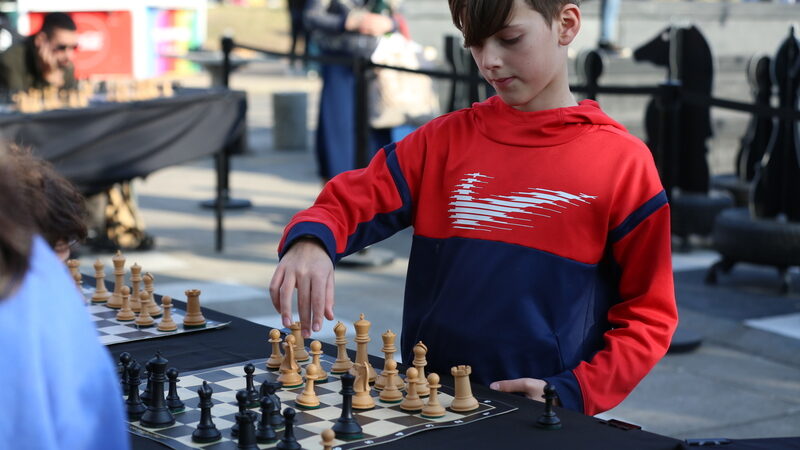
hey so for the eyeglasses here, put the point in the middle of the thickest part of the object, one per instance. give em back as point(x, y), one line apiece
point(62, 47)
point(61, 246)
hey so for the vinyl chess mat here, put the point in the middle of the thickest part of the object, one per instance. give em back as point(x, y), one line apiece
point(385, 423)
point(111, 331)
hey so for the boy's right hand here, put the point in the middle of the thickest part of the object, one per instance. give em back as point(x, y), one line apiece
point(307, 267)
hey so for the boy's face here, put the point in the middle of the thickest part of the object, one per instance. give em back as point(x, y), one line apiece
point(526, 60)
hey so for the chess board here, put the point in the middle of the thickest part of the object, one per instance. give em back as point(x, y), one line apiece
point(111, 331)
point(385, 423)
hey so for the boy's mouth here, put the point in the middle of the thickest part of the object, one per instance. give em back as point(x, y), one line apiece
point(500, 83)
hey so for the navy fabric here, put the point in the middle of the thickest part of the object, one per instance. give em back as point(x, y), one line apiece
point(315, 229)
point(552, 310)
point(638, 216)
point(568, 390)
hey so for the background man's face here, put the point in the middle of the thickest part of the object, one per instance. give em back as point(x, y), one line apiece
point(62, 45)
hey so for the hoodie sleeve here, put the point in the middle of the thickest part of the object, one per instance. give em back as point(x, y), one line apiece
point(645, 316)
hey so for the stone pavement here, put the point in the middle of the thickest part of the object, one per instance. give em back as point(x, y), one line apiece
point(743, 382)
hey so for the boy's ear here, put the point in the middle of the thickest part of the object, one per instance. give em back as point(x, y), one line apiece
point(569, 23)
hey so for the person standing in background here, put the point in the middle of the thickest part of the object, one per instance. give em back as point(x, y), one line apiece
point(609, 15)
point(298, 28)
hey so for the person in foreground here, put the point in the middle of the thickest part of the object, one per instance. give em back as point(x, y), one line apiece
point(541, 250)
point(60, 389)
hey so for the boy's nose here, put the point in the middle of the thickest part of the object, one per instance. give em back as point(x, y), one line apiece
point(489, 60)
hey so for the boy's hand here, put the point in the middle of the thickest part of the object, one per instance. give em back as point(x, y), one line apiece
point(532, 388)
point(307, 267)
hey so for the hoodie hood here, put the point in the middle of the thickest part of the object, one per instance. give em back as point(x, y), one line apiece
point(509, 126)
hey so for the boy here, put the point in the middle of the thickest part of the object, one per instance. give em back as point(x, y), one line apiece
point(542, 247)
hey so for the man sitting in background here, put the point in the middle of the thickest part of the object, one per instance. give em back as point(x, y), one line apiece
point(43, 59)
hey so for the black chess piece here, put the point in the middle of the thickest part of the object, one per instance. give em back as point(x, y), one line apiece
point(265, 433)
point(346, 427)
point(206, 431)
point(157, 414)
point(288, 442)
point(174, 402)
point(549, 420)
point(242, 410)
point(134, 406)
point(147, 394)
point(252, 393)
point(270, 389)
point(245, 423)
point(124, 361)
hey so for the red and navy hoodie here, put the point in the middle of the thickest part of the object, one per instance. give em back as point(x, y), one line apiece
point(541, 246)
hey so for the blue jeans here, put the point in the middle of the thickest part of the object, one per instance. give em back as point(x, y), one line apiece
point(609, 13)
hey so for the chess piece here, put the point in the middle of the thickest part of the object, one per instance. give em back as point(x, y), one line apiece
point(194, 317)
point(308, 398)
point(174, 402)
point(74, 270)
point(276, 358)
point(124, 361)
point(300, 352)
point(79, 284)
point(362, 400)
point(144, 320)
point(549, 420)
point(265, 434)
point(289, 377)
point(316, 351)
point(390, 393)
point(157, 414)
point(246, 426)
point(167, 324)
point(269, 389)
point(420, 350)
point(388, 351)
point(206, 431)
point(155, 311)
point(125, 313)
point(136, 279)
point(146, 395)
point(134, 407)
point(346, 427)
point(362, 339)
point(242, 410)
point(433, 409)
point(412, 403)
point(464, 400)
point(119, 280)
point(343, 362)
point(101, 294)
point(252, 399)
point(327, 439)
point(288, 442)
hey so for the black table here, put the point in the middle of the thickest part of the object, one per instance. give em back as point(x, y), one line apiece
point(243, 340)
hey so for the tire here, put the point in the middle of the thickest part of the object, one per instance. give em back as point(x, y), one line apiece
point(741, 238)
point(695, 213)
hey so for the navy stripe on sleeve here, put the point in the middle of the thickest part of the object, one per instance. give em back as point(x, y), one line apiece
point(314, 229)
point(638, 216)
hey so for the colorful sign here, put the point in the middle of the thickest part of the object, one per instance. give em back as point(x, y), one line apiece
point(172, 34)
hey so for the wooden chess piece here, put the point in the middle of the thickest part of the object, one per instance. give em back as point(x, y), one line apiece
point(148, 278)
point(300, 352)
point(433, 409)
point(362, 339)
point(206, 431)
point(420, 350)
point(167, 324)
point(289, 378)
point(343, 362)
point(125, 313)
point(194, 316)
point(265, 433)
point(412, 403)
point(316, 351)
point(101, 294)
point(136, 279)
point(362, 400)
point(276, 358)
point(464, 400)
point(327, 439)
point(308, 398)
point(79, 284)
point(144, 320)
point(388, 351)
point(390, 393)
point(119, 281)
point(74, 271)
point(346, 426)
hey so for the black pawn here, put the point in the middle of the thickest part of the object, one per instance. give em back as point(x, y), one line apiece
point(242, 410)
point(346, 427)
point(147, 394)
point(133, 405)
point(266, 434)
point(275, 417)
point(157, 414)
point(244, 422)
point(124, 360)
point(206, 430)
point(174, 402)
point(252, 393)
point(288, 442)
point(549, 420)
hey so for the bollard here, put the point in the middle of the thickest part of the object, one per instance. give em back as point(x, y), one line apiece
point(290, 113)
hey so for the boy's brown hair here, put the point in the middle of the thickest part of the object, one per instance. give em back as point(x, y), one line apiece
point(16, 229)
point(479, 19)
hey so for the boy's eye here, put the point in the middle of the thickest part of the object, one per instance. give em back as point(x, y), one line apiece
point(510, 41)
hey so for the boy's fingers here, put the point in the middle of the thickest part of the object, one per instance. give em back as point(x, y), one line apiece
point(304, 305)
point(518, 385)
point(329, 300)
point(275, 288)
point(285, 296)
point(318, 290)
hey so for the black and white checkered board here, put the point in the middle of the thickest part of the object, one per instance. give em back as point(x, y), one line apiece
point(384, 423)
point(111, 331)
